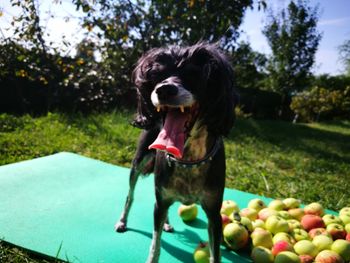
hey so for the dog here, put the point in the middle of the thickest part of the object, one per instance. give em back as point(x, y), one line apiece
point(186, 101)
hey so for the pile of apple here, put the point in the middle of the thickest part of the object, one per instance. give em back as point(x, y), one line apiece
point(283, 232)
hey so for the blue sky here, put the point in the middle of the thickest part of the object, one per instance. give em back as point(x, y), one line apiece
point(334, 23)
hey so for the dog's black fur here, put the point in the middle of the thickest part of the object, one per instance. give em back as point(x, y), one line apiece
point(198, 78)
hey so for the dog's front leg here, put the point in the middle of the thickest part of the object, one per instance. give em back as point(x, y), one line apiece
point(160, 217)
point(214, 233)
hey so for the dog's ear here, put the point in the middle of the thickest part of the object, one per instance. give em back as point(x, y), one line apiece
point(218, 96)
point(146, 116)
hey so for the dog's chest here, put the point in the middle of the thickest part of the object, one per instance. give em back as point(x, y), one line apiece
point(186, 184)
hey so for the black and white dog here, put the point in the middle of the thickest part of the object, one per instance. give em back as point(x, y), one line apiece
point(185, 105)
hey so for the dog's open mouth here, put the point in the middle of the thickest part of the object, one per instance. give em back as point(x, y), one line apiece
point(176, 128)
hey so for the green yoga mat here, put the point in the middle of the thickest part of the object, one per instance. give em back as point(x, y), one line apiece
point(65, 205)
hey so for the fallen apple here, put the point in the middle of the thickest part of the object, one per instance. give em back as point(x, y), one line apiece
point(277, 205)
point(296, 213)
point(337, 231)
point(306, 259)
point(342, 247)
point(345, 219)
point(251, 213)
point(345, 211)
point(299, 234)
point(330, 219)
point(318, 231)
point(314, 209)
point(291, 203)
point(261, 237)
point(228, 207)
point(347, 228)
point(328, 256)
point(310, 221)
point(202, 253)
point(235, 236)
point(258, 223)
point(266, 213)
point(188, 212)
point(305, 247)
point(293, 223)
point(283, 236)
point(281, 246)
point(276, 224)
point(287, 257)
point(257, 204)
point(262, 255)
point(322, 242)
point(225, 220)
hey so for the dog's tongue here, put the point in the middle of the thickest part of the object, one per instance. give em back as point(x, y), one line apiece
point(172, 137)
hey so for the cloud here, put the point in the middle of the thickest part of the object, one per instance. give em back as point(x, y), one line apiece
point(335, 22)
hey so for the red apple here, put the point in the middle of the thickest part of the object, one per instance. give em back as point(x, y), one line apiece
point(328, 256)
point(310, 221)
point(281, 246)
point(347, 237)
point(337, 231)
point(225, 220)
point(314, 209)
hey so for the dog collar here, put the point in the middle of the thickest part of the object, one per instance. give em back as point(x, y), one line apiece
point(193, 164)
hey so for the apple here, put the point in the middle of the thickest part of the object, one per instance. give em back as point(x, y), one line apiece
point(262, 255)
point(251, 213)
point(329, 219)
point(310, 221)
point(293, 223)
point(277, 205)
point(299, 234)
point(305, 247)
point(258, 223)
point(318, 231)
point(225, 220)
point(281, 246)
point(282, 236)
point(228, 207)
point(347, 237)
point(337, 231)
point(256, 204)
point(314, 209)
point(265, 213)
point(235, 236)
point(342, 247)
point(247, 223)
point(328, 256)
point(322, 242)
point(276, 224)
point(284, 215)
point(345, 211)
point(345, 219)
point(202, 253)
point(306, 259)
point(188, 212)
point(291, 203)
point(296, 213)
point(261, 237)
point(347, 228)
point(287, 257)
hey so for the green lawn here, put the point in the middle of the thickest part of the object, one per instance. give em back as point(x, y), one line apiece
point(271, 158)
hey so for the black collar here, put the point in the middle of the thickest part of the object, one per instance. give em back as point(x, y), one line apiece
point(193, 164)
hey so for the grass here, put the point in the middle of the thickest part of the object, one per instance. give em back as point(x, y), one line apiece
point(271, 158)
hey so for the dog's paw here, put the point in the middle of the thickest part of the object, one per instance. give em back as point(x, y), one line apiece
point(168, 228)
point(120, 227)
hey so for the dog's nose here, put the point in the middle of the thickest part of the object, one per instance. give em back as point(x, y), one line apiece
point(166, 91)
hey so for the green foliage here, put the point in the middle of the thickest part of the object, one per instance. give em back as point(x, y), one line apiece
point(320, 102)
point(344, 51)
point(294, 39)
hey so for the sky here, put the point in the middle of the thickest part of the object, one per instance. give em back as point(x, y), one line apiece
point(334, 24)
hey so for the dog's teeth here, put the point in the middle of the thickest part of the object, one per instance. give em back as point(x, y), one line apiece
point(182, 109)
point(158, 108)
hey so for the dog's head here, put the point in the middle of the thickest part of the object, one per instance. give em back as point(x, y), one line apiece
point(180, 85)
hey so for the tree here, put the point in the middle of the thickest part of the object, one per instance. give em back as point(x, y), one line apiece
point(294, 39)
point(344, 52)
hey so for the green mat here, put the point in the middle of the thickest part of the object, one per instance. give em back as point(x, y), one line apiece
point(65, 205)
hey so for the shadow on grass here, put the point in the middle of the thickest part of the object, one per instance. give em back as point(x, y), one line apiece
point(297, 137)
